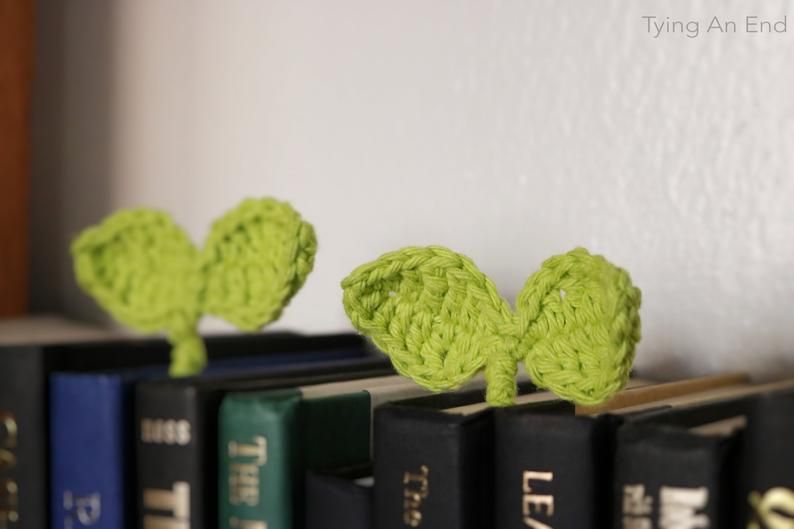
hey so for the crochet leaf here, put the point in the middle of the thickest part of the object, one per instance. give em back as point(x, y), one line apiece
point(440, 320)
point(256, 257)
point(431, 310)
point(142, 269)
point(578, 323)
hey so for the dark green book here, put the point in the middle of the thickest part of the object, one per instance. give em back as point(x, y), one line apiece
point(268, 439)
point(177, 434)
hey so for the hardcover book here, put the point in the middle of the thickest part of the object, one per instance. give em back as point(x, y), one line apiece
point(458, 439)
point(272, 437)
point(433, 467)
point(24, 404)
point(555, 470)
point(676, 466)
point(92, 448)
point(340, 498)
point(177, 437)
point(766, 487)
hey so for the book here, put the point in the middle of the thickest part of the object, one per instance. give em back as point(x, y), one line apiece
point(433, 467)
point(766, 485)
point(555, 470)
point(24, 402)
point(43, 329)
point(453, 433)
point(92, 444)
point(269, 439)
point(340, 498)
point(31, 331)
point(311, 428)
point(24, 407)
point(176, 436)
point(676, 466)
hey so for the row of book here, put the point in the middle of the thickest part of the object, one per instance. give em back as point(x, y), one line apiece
point(289, 432)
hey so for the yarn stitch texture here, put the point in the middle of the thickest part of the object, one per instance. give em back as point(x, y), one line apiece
point(144, 270)
point(441, 320)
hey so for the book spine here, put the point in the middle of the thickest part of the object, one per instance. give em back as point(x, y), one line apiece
point(24, 418)
point(551, 468)
point(270, 439)
point(766, 492)
point(257, 452)
point(89, 445)
point(338, 501)
point(668, 478)
point(177, 440)
point(432, 469)
point(169, 452)
point(334, 432)
point(24, 457)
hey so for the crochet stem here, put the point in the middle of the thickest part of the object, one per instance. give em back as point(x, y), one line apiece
point(500, 377)
point(188, 355)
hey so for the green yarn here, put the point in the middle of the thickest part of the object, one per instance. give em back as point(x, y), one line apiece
point(144, 270)
point(441, 320)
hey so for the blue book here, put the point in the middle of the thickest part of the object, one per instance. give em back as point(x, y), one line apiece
point(92, 443)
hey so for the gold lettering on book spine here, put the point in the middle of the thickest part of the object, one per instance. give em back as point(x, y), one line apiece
point(175, 502)
point(8, 430)
point(534, 504)
point(257, 449)
point(679, 508)
point(81, 509)
point(9, 502)
point(772, 510)
point(245, 463)
point(237, 523)
point(637, 507)
point(417, 488)
point(9, 490)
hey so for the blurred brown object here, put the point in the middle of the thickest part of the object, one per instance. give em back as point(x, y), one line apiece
point(16, 67)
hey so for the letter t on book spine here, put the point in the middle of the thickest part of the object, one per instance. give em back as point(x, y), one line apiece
point(169, 469)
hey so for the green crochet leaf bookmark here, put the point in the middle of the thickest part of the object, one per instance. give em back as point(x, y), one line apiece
point(441, 320)
point(144, 270)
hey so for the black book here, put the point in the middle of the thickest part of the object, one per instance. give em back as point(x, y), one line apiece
point(343, 497)
point(677, 466)
point(433, 467)
point(547, 468)
point(555, 470)
point(340, 499)
point(177, 436)
point(766, 488)
point(24, 404)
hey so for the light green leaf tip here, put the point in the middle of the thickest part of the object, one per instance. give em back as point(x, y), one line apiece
point(430, 310)
point(440, 320)
point(142, 268)
point(578, 325)
point(257, 256)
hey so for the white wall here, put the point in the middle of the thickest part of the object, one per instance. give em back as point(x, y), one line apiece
point(508, 130)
